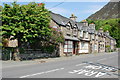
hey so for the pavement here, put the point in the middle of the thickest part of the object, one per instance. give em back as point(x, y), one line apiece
point(99, 65)
point(11, 63)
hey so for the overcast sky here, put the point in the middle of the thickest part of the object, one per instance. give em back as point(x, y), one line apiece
point(80, 9)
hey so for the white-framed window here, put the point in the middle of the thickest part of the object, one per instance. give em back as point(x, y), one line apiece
point(68, 26)
point(55, 27)
point(95, 46)
point(86, 36)
point(96, 37)
point(68, 46)
point(75, 26)
point(74, 31)
point(84, 46)
point(92, 36)
point(81, 33)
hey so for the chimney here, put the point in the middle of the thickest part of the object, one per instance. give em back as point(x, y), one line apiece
point(101, 30)
point(92, 26)
point(85, 23)
point(73, 17)
point(107, 32)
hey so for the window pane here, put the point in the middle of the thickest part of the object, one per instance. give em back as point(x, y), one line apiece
point(71, 46)
point(68, 46)
point(69, 50)
point(65, 50)
point(81, 33)
point(66, 42)
point(65, 46)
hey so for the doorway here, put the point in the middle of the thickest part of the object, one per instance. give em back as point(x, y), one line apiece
point(75, 47)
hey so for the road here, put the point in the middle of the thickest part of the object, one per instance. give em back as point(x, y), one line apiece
point(103, 65)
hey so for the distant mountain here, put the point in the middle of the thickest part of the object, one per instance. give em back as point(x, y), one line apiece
point(109, 11)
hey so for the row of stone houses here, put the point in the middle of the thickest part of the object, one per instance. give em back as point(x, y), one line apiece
point(81, 37)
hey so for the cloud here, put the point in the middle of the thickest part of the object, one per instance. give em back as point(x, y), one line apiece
point(93, 9)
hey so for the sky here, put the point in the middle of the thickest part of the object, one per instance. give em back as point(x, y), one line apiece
point(80, 9)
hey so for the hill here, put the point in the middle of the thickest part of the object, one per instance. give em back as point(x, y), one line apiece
point(109, 11)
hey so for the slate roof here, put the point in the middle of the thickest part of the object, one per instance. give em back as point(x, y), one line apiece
point(109, 36)
point(96, 32)
point(61, 20)
point(85, 28)
point(80, 25)
point(91, 31)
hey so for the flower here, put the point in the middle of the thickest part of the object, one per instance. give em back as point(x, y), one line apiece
point(39, 4)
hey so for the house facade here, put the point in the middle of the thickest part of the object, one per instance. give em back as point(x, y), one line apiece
point(85, 40)
point(109, 42)
point(101, 41)
point(80, 37)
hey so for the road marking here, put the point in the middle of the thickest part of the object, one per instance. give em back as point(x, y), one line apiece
point(80, 64)
point(41, 73)
point(102, 59)
point(87, 72)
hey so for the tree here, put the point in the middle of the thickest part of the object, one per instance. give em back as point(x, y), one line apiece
point(112, 25)
point(27, 23)
point(106, 27)
point(0, 26)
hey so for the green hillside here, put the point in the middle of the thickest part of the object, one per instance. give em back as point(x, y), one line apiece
point(112, 25)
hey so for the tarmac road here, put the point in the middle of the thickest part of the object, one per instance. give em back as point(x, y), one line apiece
point(103, 65)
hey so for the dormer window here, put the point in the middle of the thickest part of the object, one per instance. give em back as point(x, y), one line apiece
point(92, 36)
point(86, 36)
point(68, 26)
point(75, 26)
point(81, 33)
point(96, 37)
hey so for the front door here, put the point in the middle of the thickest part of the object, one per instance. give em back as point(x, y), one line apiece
point(74, 47)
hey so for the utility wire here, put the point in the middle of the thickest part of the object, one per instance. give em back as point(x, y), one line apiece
point(56, 5)
point(43, 1)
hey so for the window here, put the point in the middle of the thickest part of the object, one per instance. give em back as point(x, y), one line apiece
point(55, 27)
point(86, 36)
point(95, 46)
point(92, 36)
point(68, 46)
point(96, 37)
point(81, 33)
point(68, 26)
point(75, 26)
point(74, 31)
point(84, 46)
